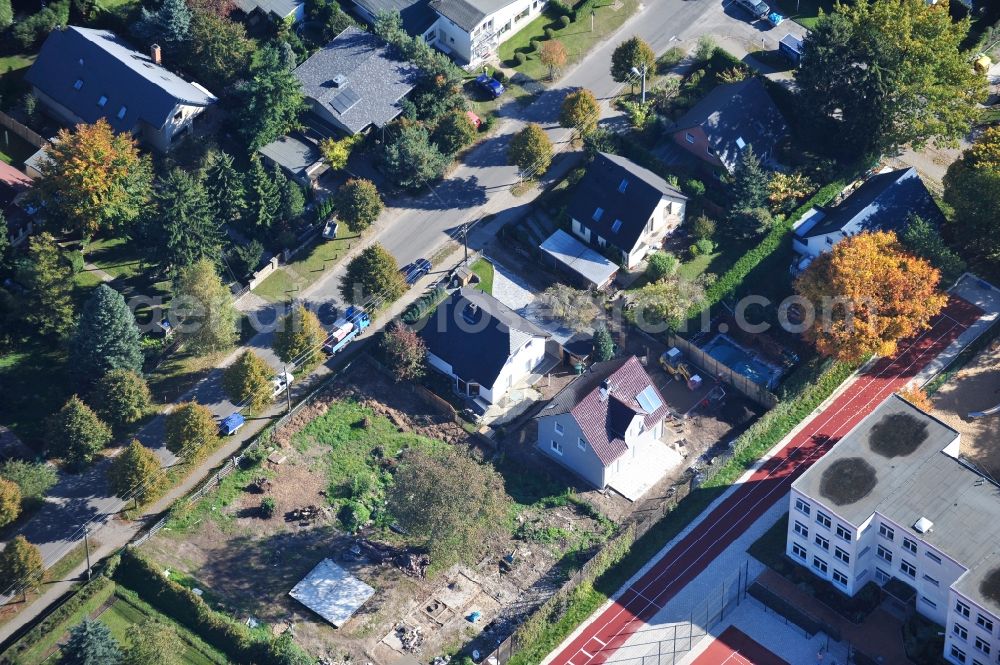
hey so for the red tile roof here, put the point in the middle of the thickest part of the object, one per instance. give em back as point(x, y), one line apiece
point(604, 420)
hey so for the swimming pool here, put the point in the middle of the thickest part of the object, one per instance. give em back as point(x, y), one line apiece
point(738, 359)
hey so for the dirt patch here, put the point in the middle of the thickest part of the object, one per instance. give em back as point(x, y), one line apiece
point(976, 387)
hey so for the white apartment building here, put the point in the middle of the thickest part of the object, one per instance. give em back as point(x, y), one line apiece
point(892, 501)
point(472, 30)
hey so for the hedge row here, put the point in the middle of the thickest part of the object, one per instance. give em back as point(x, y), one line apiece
point(423, 305)
point(46, 634)
point(551, 625)
point(230, 637)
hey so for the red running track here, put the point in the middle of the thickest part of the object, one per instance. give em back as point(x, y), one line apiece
point(734, 647)
point(686, 559)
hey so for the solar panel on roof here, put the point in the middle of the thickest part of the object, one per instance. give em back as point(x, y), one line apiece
point(649, 400)
point(344, 101)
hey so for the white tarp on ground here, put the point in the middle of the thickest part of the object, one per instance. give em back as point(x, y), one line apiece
point(332, 592)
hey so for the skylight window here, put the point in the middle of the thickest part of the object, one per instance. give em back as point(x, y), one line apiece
point(617, 226)
point(740, 143)
point(121, 112)
point(649, 400)
point(623, 186)
point(597, 214)
point(78, 84)
point(102, 101)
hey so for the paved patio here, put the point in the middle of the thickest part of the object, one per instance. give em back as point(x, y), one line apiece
point(641, 473)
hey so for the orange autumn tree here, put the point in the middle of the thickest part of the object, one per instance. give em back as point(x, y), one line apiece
point(93, 179)
point(868, 293)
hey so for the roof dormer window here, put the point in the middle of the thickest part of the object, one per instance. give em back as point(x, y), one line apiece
point(623, 186)
point(121, 112)
point(597, 214)
point(617, 226)
point(102, 101)
point(78, 84)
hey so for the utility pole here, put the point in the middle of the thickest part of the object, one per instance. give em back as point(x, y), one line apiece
point(288, 389)
point(465, 241)
point(86, 546)
point(640, 72)
point(593, 13)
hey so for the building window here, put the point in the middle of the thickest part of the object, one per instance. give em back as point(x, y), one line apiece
point(842, 532)
point(927, 601)
point(597, 214)
point(622, 186)
point(799, 551)
point(842, 555)
point(121, 112)
point(983, 645)
point(822, 542)
point(957, 654)
point(886, 531)
point(558, 428)
point(931, 580)
point(78, 84)
point(823, 519)
point(960, 632)
point(801, 529)
point(908, 568)
point(819, 564)
point(884, 554)
point(689, 137)
point(962, 609)
point(802, 506)
point(581, 444)
point(102, 101)
point(839, 577)
point(617, 226)
point(909, 546)
point(933, 557)
point(983, 622)
point(557, 447)
point(882, 576)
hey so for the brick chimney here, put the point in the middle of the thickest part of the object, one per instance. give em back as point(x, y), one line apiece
point(156, 53)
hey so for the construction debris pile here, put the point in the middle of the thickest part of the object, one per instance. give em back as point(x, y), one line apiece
point(409, 560)
point(304, 516)
point(410, 637)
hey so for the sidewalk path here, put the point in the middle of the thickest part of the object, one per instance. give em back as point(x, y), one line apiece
point(647, 599)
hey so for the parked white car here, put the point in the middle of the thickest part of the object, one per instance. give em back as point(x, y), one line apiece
point(281, 383)
point(330, 229)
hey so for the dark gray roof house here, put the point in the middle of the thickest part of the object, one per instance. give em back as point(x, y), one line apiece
point(279, 9)
point(485, 346)
point(729, 118)
point(82, 75)
point(417, 15)
point(884, 202)
point(620, 204)
point(353, 83)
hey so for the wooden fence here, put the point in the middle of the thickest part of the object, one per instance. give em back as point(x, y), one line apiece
point(22, 132)
point(716, 369)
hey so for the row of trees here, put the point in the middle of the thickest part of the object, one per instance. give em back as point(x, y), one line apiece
point(149, 642)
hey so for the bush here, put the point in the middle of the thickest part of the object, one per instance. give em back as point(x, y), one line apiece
point(267, 507)
point(520, 58)
point(703, 227)
point(693, 251)
point(564, 20)
point(705, 50)
point(423, 305)
point(533, 45)
point(489, 122)
point(669, 60)
point(498, 75)
point(549, 33)
point(693, 187)
point(354, 515)
point(705, 246)
point(559, 8)
point(660, 265)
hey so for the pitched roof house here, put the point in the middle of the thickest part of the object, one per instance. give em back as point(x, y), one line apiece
point(471, 31)
point(14, 186)
point(417, 16)
point(729, 118)
point(353, 84)
point(83, 74)
point(484, 346)
point(604, 424)
point(625, 207)
point(884, 202)
point(274, 9)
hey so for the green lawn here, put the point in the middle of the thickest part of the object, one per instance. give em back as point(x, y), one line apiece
point(35, 386)
point(804, 12)
point(114, 256)
point(279, 286)
point(576, 37)
point(12, 71)
point(14, 150)
point(124, 614)
point(484, 269)
point(311, 263)
point(727, 251)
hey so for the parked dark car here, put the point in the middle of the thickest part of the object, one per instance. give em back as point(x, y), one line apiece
point(490, 85)
point(756, 8)
point(412, 272)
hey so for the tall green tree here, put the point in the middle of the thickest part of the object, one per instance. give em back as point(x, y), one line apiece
point(21, 567)
point(135, 473)
point(531, 150)
point(6, 14)
point(10, 502)
point(580, 111)
point(107, 336)
point(924, 240)
point(33, 478)
point(152, 642)
point(93, 180)
point(189, 428)
point(77, 434)
point(453, 132)
point(48, 280)
point(299, 336)
point(263, 199)
point(202, 310)
point(410, 159)
point(270, 101)
point(248, 380)
point(293, 201)
point(358, 204)
point(749, 181)
point(373, 272)
point(4, 239)
point(190, 229)
point(631, 53)
point(121, 398)
point(226, 188)
point(90, 643)
point(972, 188)
point(218, 50)
point(880, 75)
point(168, 25)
